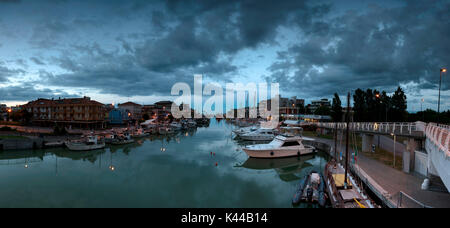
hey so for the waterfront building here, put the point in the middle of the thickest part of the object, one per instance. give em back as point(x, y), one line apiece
point(3, 108)
point(3, 112)
point(118, 116)
point(315, 118)
point(318, 103)
point(134, 109)
point(291, 106)
point(71, 112)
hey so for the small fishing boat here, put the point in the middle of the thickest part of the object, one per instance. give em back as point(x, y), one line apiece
point(90, 143)
point(165, 130)
point(281, 146)
point(139, 133)
point(175, 126)
point(125, 138)
point(311, 189)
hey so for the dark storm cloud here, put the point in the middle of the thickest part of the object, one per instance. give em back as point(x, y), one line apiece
point(6, 73)
point(196, 37)
point(37, 61)
point(28, 92)
point(378, 47)
point(205, 29)
point(142, 48)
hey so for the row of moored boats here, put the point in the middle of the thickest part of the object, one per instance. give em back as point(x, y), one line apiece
point(121, 136)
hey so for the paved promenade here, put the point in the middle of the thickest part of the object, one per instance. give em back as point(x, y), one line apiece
point(393, 181)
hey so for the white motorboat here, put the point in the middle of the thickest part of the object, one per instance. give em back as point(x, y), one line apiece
point(245, 130)
point(281, 146)
point(90, 143)
point(261, 134)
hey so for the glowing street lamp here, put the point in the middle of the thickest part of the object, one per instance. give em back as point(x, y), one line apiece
point(443, 70)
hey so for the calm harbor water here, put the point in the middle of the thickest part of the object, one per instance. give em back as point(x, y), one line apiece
point(177, 171)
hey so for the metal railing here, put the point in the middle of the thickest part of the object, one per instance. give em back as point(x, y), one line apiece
point(401, 128)
point(439, 135)
point(406, 201)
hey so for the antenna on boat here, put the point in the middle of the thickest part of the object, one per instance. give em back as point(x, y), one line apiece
point(346, 139)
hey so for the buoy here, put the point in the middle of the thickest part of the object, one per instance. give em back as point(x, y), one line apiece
point(211, 152)
point(216, 163)
point(214, 154)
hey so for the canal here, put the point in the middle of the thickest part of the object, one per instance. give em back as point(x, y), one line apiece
point(199, 168)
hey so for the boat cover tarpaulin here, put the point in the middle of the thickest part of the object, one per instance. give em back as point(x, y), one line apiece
point(339, 180)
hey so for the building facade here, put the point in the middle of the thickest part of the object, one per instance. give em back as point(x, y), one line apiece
point(318, 103)
point(134, 109)
point(72, 112)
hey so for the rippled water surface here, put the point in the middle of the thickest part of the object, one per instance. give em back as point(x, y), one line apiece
point(198, 168)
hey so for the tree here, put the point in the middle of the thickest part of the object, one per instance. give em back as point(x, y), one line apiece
point(323, 110)
point(336, 109)
point(359, 106)
point(398, 105)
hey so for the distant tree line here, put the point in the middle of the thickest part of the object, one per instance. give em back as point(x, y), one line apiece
point(429, 115)
point(375, 106)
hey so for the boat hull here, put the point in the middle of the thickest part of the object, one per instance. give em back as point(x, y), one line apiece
point(122, 142)
point(277, 153)
point(84, 147)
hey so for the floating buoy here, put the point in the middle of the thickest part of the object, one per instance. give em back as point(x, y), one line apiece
point(216, 164)
point(211, 152)
point(214, 154)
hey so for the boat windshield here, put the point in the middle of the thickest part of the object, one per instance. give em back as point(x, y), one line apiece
point(276, 143)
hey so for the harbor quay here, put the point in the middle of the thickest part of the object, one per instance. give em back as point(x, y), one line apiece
point(392, 187)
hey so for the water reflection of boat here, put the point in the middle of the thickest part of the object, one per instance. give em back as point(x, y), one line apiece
point(260, 163)
point(288, 169)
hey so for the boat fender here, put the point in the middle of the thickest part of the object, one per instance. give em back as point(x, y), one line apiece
point(271, 153)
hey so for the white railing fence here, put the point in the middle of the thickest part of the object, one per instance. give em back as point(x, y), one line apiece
point(439, 134)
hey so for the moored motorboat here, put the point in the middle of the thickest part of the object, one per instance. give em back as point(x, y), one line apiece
point(245, 130)
point(281, 146)
point(125, 138)
point(90, 143)
point(139, 133)
point(311, 189)
point(261, 134)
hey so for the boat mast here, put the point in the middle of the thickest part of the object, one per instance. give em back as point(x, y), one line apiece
point(346, 139)
point(335, 141)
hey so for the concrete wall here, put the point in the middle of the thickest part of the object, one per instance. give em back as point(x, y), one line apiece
point(421, 163)
point(21, 144)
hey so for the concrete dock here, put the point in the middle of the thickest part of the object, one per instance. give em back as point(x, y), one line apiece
point(399, 188)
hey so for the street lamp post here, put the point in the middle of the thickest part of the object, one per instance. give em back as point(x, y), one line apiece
point(392, 134)
point(443, 70)
point(423, 114)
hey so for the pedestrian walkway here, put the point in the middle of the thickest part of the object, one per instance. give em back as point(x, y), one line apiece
point(394, 181)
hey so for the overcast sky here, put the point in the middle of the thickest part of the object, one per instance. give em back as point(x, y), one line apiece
point(115, 51)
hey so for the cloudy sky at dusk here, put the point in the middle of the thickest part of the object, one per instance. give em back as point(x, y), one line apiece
point(114, 51)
